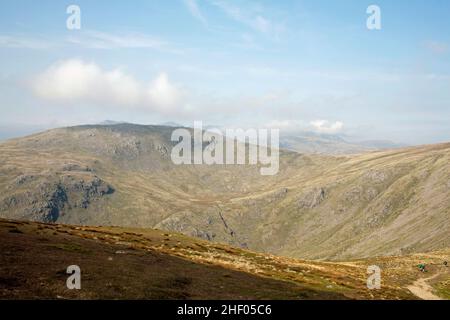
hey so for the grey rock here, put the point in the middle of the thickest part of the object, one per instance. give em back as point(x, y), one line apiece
point(311, 199)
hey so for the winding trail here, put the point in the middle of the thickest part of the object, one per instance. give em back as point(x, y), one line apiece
point(423, 290)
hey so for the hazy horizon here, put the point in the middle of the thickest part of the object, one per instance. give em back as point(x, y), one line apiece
point(296, 65)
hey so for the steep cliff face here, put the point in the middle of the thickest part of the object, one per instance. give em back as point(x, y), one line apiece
point(317, 206)
point(48, 197)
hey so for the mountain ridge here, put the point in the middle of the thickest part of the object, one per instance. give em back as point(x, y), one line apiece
point(317, 207)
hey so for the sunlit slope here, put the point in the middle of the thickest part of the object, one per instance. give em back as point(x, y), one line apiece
point(152, 264)
point(317, 207)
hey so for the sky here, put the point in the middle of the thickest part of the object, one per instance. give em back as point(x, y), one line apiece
point(294, 65)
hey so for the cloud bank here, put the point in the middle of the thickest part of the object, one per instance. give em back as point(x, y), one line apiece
point(74, 80)
point(325, 126)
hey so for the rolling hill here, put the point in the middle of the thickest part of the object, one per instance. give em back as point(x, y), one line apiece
point(318, 207)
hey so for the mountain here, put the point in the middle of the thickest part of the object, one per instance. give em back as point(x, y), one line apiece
point(317, 207)
point(381, 144)
point(171, 124)
point(164, 265)
point(331, 144)
point(111, 122)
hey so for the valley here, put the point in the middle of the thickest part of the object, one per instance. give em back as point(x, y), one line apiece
point(317, 207)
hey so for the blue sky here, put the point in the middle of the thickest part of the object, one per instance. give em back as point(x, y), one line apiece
point(295, 65)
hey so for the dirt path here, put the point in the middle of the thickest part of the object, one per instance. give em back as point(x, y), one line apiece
point(423, 290)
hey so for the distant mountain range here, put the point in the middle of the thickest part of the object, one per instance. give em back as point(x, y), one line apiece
point(301, 141)
point(317, 207)
point(318, 143)
point(310, 141)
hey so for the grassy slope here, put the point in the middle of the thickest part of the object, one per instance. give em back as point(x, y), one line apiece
point(383, 203)
point(152, 264)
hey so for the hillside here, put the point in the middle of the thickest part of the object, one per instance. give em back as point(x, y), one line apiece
point(161, 265)
point(317, 207)
point(316, 143)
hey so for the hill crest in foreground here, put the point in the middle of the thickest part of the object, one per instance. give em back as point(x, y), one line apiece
point(119, 263)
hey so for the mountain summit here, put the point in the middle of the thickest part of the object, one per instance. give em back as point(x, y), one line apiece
point(317, 206)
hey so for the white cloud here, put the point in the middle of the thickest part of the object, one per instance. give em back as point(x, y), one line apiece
point(163, 93)
point(78, 81)
point(195, 11)
point(254, 20)
point(325, 126)
point(18, 41)
point(103, 40)
point(91, 40)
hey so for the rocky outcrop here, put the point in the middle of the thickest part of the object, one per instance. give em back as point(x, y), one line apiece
point(46, 199)
point(311, 199)
point(75, 167)
point(360, 193)
point(377, 176)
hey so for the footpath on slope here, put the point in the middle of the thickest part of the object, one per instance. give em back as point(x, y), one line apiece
point(423, 290)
